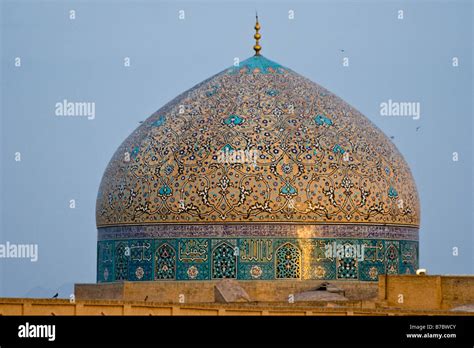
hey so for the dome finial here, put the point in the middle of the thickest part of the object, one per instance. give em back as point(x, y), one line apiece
point(257, 36)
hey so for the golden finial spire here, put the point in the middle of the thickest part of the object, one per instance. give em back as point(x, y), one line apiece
point(257, 36)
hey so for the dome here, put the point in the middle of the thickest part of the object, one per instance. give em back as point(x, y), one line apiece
point(257, 143)
point(257, 173)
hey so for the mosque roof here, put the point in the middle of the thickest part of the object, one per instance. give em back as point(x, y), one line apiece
point(257, 143)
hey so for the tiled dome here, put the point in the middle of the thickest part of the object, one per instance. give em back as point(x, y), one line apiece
point(257, 143)
point(256, 174)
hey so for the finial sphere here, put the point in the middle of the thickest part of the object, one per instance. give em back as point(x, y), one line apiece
point(257, 37)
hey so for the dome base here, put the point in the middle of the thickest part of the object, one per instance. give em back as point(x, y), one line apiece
point(297, 252)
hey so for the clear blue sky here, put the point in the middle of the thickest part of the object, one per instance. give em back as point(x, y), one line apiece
point(82, 60)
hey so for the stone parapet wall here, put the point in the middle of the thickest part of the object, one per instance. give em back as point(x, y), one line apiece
point(45, 307)
point(426, 292)
point(203, 291)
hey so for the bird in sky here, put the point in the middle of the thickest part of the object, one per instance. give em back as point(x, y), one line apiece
point(56, 295)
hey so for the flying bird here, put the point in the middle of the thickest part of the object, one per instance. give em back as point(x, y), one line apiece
point(146, 298)
point(418, 128)
point(56, 295)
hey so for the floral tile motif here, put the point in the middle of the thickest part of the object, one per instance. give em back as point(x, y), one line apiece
point(252, 259)
point(317, 158)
